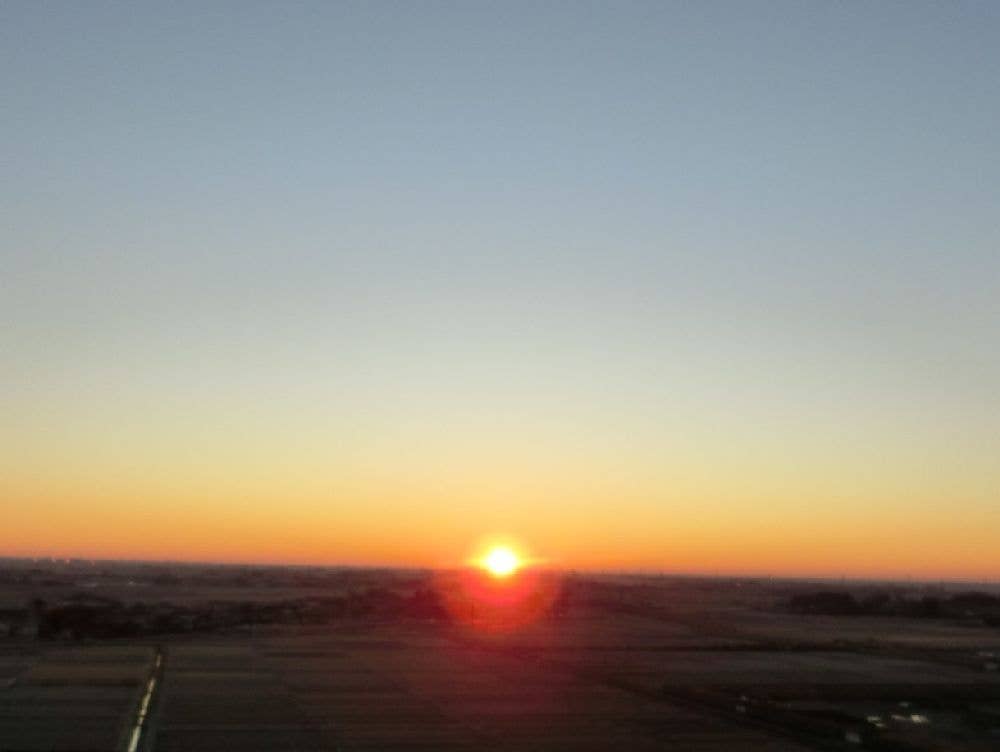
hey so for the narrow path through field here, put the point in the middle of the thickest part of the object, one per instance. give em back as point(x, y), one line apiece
point(142, 713)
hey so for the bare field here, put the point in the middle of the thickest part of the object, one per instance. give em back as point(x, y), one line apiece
point(73, 699)
point(622, 663)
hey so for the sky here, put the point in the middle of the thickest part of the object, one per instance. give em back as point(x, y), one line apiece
point(696, 287)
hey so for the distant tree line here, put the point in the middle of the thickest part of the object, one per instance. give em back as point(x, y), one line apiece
point(966, 605)
point(89, 616)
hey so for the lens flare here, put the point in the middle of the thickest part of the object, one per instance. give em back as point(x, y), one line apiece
point(501, 590)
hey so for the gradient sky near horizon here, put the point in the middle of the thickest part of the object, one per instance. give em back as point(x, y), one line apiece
point(700, 287)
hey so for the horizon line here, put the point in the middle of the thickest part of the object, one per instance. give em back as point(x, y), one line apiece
point(620, 571)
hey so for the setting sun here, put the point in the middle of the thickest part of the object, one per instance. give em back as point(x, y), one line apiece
point(501, 561)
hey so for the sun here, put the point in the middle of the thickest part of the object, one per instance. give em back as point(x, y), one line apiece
point(501, 561)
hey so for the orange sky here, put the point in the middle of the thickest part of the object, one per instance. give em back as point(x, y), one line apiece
point(133, 466)
point(594, 520)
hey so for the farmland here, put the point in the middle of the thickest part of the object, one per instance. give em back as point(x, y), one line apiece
point(411, 661)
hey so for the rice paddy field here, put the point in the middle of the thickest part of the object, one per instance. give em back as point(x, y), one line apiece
point(392, 688)
point(71, 699)
point(661, 668)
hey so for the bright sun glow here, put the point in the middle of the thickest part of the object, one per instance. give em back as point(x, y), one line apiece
point(501, 561)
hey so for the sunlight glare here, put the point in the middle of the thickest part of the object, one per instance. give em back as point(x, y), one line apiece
point(501, 561)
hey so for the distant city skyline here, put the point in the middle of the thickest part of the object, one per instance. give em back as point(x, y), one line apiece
point(705, 287)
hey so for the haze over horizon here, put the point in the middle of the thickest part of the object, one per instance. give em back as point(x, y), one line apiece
point(697, 288)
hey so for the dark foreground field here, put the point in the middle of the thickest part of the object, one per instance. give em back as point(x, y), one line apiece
point(154, 658)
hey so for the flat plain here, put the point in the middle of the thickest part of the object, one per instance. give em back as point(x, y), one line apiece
point(637, 663)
